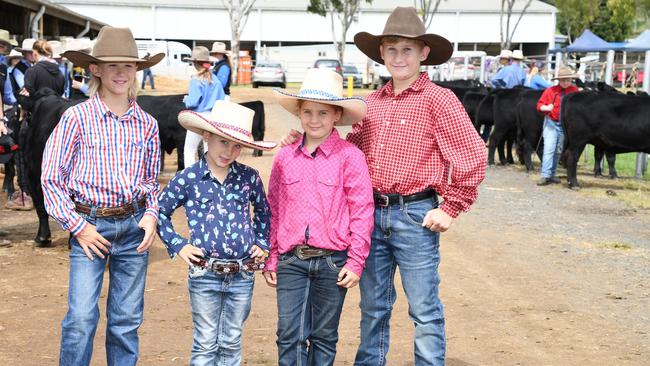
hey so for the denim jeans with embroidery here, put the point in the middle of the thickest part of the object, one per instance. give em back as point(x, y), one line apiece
point(125, 302)
point(220, 305)
point(309, 309)
point(400, 242)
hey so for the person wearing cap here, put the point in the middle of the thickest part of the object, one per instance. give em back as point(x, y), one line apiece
point(420, 145)
point(18, 73)
point(225, 245)
point(512, 74)
point(553, 134)
point(321, 219)
point(99, 179)
point(222, 67)
point(204, 90)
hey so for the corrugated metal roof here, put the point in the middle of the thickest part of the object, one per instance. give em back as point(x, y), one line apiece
point(58, 11)
point(377, 5)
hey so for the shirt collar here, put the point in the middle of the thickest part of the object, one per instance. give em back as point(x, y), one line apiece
point(134, 110)
point(417, 85)
point(204, 170)
point(326, 147)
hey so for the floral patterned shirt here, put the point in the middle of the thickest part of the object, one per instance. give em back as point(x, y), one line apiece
point(218, 215)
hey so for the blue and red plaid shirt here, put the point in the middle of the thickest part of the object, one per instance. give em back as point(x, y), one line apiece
point(100, 159)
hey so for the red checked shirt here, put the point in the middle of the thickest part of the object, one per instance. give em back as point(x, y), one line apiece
point(329, 192)
point(554, 95)
point(420, 139)
point(101, 159)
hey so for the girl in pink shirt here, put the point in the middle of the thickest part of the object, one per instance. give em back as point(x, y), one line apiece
point(322, 207)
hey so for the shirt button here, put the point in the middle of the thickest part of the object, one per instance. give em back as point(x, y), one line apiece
point(394, 101)
point(402, 121)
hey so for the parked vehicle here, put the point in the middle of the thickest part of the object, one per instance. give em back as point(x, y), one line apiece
point(172, 65)
point(269, 73)
point(357, 77)
point(329, 63)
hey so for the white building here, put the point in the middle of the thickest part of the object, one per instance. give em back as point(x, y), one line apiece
point(469, 24)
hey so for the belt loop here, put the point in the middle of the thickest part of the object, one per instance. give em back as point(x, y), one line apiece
point(134, 203)
point(93, 212)
point(401, 202)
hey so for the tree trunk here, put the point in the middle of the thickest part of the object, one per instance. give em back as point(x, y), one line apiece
point(235, 60)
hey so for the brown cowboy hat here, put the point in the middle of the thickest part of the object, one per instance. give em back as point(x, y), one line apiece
point(113, 45)
point(404, 22)
point(565, 72)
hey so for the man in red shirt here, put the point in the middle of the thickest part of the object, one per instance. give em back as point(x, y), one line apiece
point(553, 134)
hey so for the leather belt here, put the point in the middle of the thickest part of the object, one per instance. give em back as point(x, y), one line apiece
point(306, 252)
point(224, 268)
point(385, 200)
point(119, 211)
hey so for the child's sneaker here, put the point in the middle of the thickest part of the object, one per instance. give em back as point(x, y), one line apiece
point(20, 201)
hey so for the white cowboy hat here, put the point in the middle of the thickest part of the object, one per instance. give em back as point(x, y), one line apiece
point(57, 48)
point(565, 72)
point(505, 54)
point(84, 45)
point(27, 45)
point(4, 37)
point(113, 45)
point(324, 86)
point(517, 55)
point(219, 47)
point(228, 120)
point(14, 54)
point(200, 54)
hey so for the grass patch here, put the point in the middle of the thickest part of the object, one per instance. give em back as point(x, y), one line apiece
point(617, 245)
point(625, 163)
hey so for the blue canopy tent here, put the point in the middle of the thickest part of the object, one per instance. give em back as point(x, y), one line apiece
point(640, 43)
point(589, 42)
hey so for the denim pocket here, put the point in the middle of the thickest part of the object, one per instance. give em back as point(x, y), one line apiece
point(415, 212)
point(336, 261)
point(286, 258)
point(248, 275)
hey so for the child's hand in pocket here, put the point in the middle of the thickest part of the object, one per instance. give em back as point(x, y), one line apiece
point(191, 254)
point(258, 254)
point(270, 278)
point(347, 278)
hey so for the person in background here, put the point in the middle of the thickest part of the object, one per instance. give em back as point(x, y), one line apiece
point(204, 90)
point(553, 133)
point(535, 81)
point(147, 74)
point(222, 67)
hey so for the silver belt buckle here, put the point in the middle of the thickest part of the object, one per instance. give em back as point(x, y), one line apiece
point(299, 254)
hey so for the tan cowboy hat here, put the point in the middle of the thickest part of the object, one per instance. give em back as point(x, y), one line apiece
point(14, 54)
point(200, 54)
point(505, 54)
point(219, 47)
point(27, 45)
point(517, 55)
point(324, 86)
point(4, 37)
point(57, 48)
point(228, 120)
point(113, 45)
point(404, 22)
point(565, 73)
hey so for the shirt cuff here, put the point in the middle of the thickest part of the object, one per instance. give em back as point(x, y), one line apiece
point(78, 226)
point(452, 209)
point(153, 213)
point(354, 267)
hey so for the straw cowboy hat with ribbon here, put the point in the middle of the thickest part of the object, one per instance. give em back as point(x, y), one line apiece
point(113, 45)
point(4, 38)
point(404, 22)
point(324, 86)
point(200, 54)
point(565, 73)
point(228, 120)
point(219, 47)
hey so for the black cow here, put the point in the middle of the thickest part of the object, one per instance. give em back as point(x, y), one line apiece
point(46, 113)
point(471, 102)
point(505, 123)
point(529, 127)
point(610, 121)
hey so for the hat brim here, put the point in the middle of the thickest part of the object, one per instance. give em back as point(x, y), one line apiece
point(225, 52)
point(11, 42)
point(190, 59)
point(198, 123)
point(572, 76)
point(354, 109)
point(441, 48)
point(82, 59)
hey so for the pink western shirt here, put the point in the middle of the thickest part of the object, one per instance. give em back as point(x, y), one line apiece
point(330, 192)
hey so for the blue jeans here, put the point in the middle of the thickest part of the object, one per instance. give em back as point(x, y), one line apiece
point(399, 240)
point(553, 135)
point(309, 309)
point(220, 305)
point(146, 73)
point(125, 303)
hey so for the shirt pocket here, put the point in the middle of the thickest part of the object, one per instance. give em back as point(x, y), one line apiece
point(329, 186)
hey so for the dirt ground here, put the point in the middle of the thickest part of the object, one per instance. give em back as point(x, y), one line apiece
point(531, 276)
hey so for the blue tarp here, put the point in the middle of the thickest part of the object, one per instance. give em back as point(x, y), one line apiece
point(640, 43)
point(589, 42)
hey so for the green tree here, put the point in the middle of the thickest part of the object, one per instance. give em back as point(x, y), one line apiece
point(343, 10)
point(575, 15)
point(614, 20)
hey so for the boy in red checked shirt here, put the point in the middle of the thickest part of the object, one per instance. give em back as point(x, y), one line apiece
point(419, 143)
point(100, 167)
point(321, 219)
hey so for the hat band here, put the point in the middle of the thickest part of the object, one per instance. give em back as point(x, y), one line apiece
point(227, 126)
point(311, 93)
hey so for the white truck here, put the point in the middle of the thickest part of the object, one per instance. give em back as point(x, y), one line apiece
point(172, 65)
point(376, 75)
